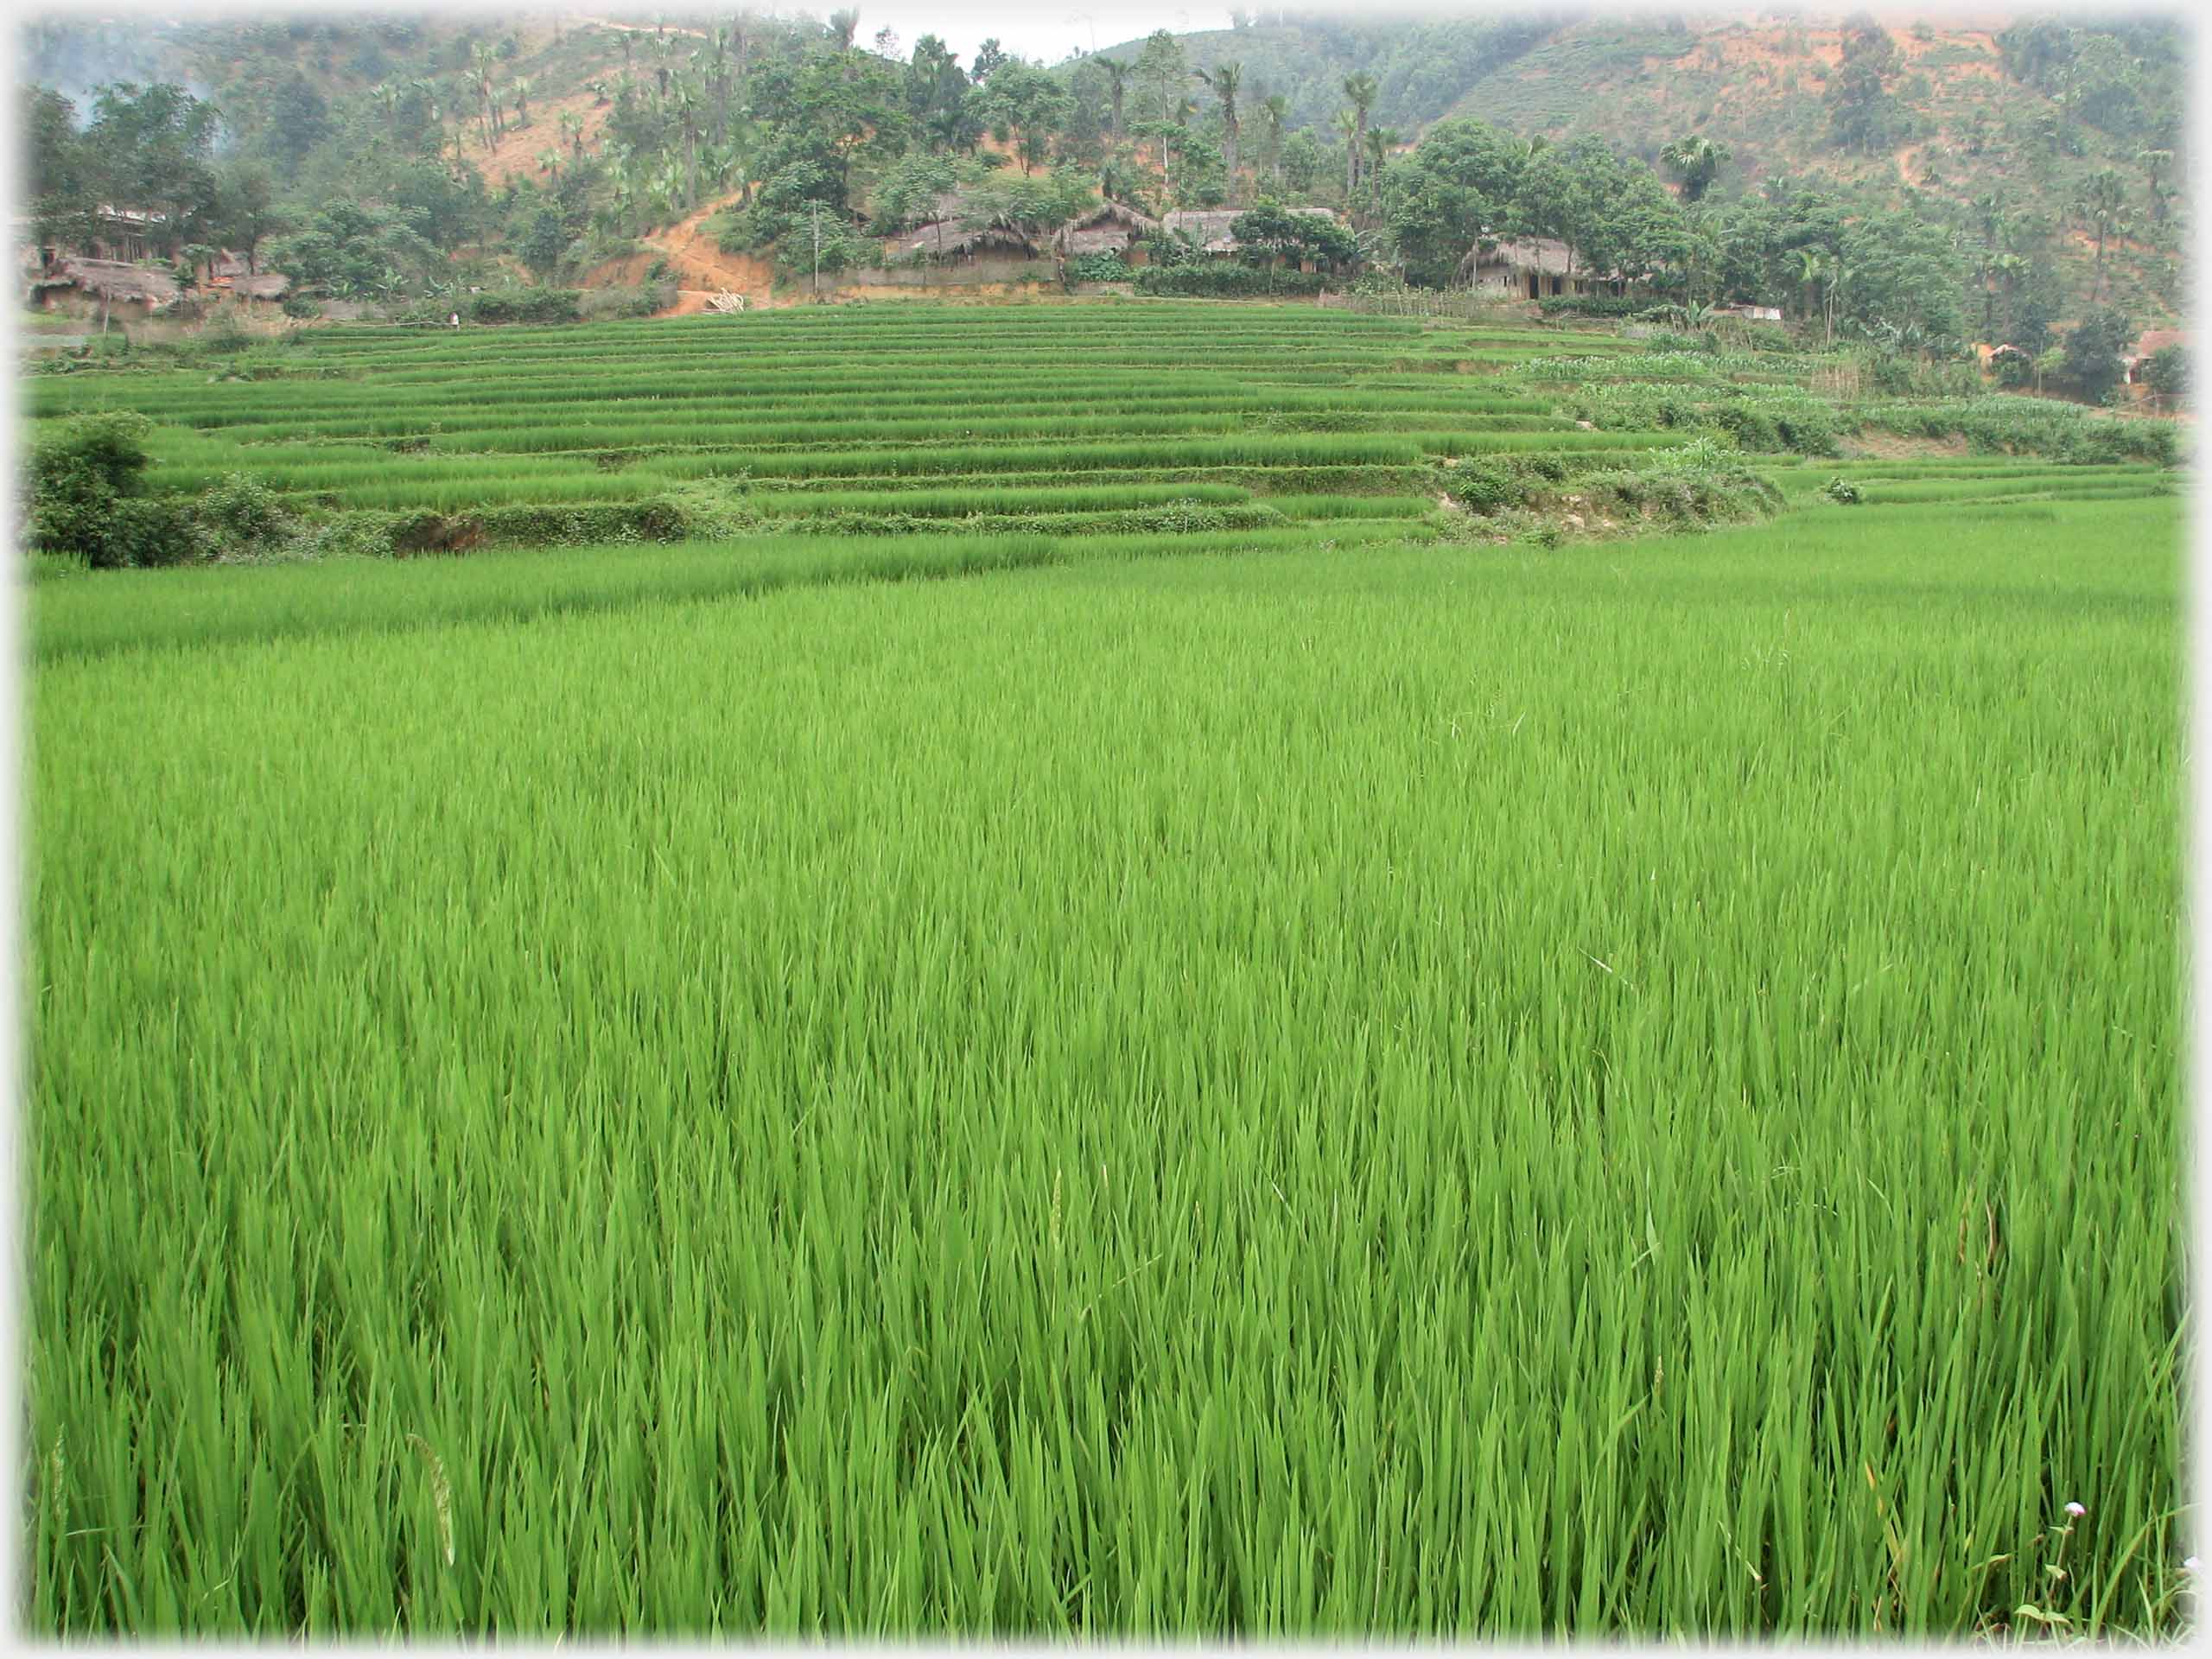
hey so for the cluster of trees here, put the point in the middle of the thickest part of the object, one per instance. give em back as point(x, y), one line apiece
point(1812, 251)
point(819, 142)
point(148, 149)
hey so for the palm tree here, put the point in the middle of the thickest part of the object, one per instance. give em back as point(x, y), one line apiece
point(549, 161)
point(1696, 162)
point(522, 100)
point(485, 68)
point(717, 56)
point(1347, 130)
point(1381, 141)
point(2100, 202)
point(663, 55)
point(572, 132)
point(1275, 110)
point(1834, 274)
point(1225, 80)
point(1360, 89)
point(2156, 163)
point(687, 115)
point(1117, 80)
point(1809, 262)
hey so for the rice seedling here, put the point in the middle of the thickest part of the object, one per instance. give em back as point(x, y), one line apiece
point(1275, 1082)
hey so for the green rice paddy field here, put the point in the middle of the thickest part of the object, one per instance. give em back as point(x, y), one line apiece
point(1299, 1076)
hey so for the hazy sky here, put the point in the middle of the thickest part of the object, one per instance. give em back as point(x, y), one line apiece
point(1045, 29)
point(1048, 29)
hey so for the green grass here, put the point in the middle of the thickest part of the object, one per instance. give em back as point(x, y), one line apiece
point(1276, 1083)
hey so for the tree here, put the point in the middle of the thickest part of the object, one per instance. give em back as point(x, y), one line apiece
point(1225, 79)
point(1033, 208)
point(59, 179)
point(2166, 371)
point(544, 244)
point(1303, 159)
point(1024, 103)
point(1360, 89)
point(1163, 70)
point(2156, 165)
point(1117, 77)
point(89, 501)
point(1696, 162)
point(484, 68)
point(1459, 181)
point(2099, 204)
point(1569, 191)
point(1275, 111)
point(990, 57)
point(246, 213)
point(1276, 230)
point(1862, 110)
point(153, 146)
point(907, 194)
point(1381, 141)
point(2092, 351)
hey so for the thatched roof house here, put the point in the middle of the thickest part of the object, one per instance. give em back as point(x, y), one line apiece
point(85, 284)
point(1532, 267)
point(1110, 227)
point(948, 238)
point(229, 274)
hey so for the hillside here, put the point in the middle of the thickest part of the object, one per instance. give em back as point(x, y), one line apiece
point(1967, 126)
point(1986, 127)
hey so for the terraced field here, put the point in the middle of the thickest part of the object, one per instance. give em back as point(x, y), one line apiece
point(1048, 419)
point(1265, 1062)
point(1050, 414)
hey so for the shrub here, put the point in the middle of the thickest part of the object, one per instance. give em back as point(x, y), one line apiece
point(151, 531)
point(1594, 305)
point(2167, 372)
point(526, 305)
point(599, 304)
point(2092, 352)
point(224, 334)
point(243, 514)
point(2013, 367)
point(1100, 267)
point(87, 489)
point(1843, 491)
point(1226, 282)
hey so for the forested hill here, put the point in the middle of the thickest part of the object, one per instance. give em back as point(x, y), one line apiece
point(2024, 110)
point(2032, 168)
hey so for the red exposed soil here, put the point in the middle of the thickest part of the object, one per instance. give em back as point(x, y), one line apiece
point(703, 270)
point(516, 153)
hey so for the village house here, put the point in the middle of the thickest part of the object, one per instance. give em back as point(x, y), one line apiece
point(1532, 268)
point(114, 290)
point(963, 252)
point(1110, 227)
point(231, 274)
point(103, 289)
